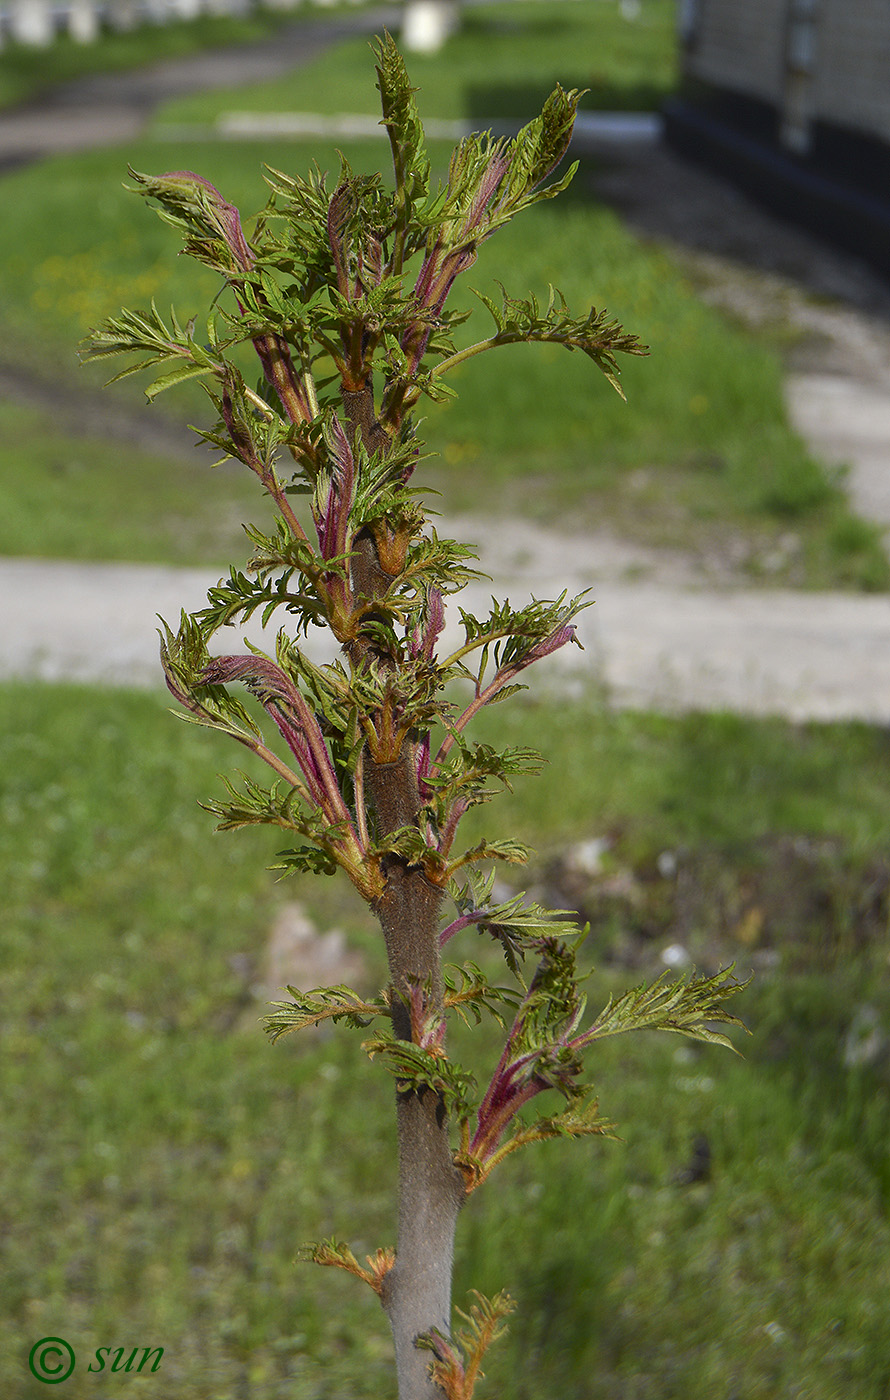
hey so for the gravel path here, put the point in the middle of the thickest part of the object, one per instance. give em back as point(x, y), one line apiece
point(665, 641)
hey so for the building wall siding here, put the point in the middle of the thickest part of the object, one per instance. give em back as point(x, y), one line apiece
point(852, 85)
point(739, 46)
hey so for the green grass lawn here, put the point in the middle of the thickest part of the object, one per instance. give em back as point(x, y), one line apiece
point(502, 63)
point(161, 1163)
point(91, 498)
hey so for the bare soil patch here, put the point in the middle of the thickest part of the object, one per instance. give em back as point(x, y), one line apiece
point(807, 899)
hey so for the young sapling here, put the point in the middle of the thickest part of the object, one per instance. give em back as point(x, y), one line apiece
point(341, 295)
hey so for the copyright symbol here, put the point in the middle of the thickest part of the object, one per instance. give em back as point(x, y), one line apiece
point(51, 1360)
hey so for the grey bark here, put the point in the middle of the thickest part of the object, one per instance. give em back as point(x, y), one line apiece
point(416, 1292)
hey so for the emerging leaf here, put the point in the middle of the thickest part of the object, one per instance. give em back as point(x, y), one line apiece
point(339, 1256)
point(458, 1361)
point(416, 1069)
point(333, 1004)
point(687, 1006)
point(212, 226)
point(523, 322)
point(400, 117)
point(518, 926)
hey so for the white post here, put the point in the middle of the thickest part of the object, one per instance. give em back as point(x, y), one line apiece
point(428, 23)
point(123, 15)
point(83, 21)
point(31, 22)
point(157, 11)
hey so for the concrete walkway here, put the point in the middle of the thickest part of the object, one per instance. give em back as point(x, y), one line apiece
point(847, 421)
point(804, 655)
point(112, 107)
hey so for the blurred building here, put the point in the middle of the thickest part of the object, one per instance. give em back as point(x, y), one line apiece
point(791, 99)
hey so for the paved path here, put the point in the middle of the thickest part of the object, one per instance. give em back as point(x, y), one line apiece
point(847, 421)
point(111, 107)
point(806, 656)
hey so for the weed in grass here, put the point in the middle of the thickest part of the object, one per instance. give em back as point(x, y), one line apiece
point(858, 550)
point(80, 286)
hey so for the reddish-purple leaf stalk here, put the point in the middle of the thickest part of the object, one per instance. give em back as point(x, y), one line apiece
point(457, 925)
point(295, 721)
point(251, 741)
point(246, 450)
point(458, 809)
point(289, 711)
point(422, 640)
point(273, 350)
point(517, 1080)
point(503, 676)
point(332, 520)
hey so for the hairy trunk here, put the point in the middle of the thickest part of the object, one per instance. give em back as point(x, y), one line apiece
point(417, 1290)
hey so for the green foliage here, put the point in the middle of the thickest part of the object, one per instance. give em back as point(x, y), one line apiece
point(521, 322)
point(517, 924)
point(469, 992)
point(415, 1068)
point(687, 1006)
point(324, 1004)
point(147, 333)
point(411, 165)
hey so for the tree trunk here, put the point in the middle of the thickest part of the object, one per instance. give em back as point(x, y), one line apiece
point(417, 1290)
